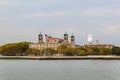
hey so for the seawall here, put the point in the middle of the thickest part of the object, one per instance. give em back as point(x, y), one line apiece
point(62, 57)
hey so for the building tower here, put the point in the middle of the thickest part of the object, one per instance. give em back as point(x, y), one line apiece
point(65, 38)
point(72, 40)
point(40, 38)
point(90, 39)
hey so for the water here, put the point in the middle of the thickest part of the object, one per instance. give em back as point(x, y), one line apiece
point(60, 70)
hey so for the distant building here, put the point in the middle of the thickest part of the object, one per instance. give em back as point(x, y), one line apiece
point(52, 42)
point(99, 46)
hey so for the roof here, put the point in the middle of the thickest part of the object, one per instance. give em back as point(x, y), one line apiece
point(40, 34)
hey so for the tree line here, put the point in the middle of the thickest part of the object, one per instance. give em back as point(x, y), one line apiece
point(22, 49)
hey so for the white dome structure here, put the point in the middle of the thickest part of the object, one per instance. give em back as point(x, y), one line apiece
point(90, 39)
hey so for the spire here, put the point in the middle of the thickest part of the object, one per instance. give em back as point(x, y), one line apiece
point(72, 34)
point(50, 35)
point(72, 40)
point(65, 33)
point(40, 38)
point(40, 34)
point(66, 38)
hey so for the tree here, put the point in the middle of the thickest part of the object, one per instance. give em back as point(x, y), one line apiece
point(62, 49)
point(50, 51)
point(96, 51)
point(116, 50)
point(82, 52)
point(0, 50)
point(70, 51)
point(105, 51)
point(32, 52)
point(14, 49)
point(89, 51)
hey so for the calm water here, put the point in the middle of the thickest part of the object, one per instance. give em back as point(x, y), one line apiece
point(60, 70)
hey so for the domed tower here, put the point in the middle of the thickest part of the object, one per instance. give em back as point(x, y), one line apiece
point(40, 38)
point(65, 38)
point(72, 40)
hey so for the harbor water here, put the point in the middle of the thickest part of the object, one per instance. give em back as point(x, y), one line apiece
point(59, 69)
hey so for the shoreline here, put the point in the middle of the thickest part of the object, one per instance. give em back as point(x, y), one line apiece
point(61, 57)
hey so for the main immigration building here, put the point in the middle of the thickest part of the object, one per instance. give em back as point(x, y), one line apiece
point(52, 42)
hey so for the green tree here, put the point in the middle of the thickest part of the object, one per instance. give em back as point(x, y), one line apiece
point(14, 49)
point(50, 51)
point(62, 49)
point(70, 51)
point(105, 51)
point(96, 51)
point(0, 50)
point(116, 50)
point(82, 53)
point(89, 51)
point(33, 52)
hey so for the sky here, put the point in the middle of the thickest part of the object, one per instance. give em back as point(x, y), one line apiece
point(23, 20)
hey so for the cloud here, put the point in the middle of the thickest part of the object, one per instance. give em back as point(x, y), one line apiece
point(40, 2)
point(116, 0)
point(109, 30)
point(112, 28)
point(43, 14)
point(4, 2)
point(8, 2)
point(85, 12)
point(16, 34)
point(27, 3)
point(100, 12)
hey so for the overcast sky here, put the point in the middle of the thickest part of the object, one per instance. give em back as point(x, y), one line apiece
point(22, 20)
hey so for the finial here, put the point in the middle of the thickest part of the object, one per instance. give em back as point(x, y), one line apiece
point(72, 34)
point(65, 31)
point(49, 35)
point(40, 34)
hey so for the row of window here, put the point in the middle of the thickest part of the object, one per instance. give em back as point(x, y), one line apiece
point(104, 46)
point(44, 45)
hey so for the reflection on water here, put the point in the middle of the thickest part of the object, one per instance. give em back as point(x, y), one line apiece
point(59, 70)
